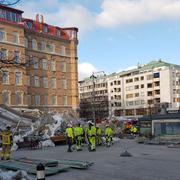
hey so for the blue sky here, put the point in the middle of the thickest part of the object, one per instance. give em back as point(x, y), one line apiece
point(115, 34)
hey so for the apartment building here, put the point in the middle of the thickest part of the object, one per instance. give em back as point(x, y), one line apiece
point(93, 96)
point(144, 90)
point(43, 69)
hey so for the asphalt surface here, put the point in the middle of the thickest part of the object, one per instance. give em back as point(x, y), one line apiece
point(148, 162)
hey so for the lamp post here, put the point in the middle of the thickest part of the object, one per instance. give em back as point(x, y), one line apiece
point(93, 77)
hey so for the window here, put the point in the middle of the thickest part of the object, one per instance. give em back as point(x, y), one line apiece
point(36, 81)
point(63, 50)
point(5, 77)
point(58, 32)
point(149, 77)
point(64, 100)
point(46, 100)
point(64, 83)
point(44, 64)
point(52, 48)
point(6, 97)
point(37, 100)
point(129, 80)
point(15, 37)
point(54, 100)
point(36, 63)
point(28, 80)
point(18, 98)
point(18, 78)
point(53, 66)
point(63, 66)
point(142, 78)
point(45, 29)
point(53, 83)
point(16, 57)
point(29, 100)
point(3, 54)
point(129, 96)
point(156, 75)
point(136, 79)
point(136, 87)
point(136, 94)
point(2, 35)
point(26, 42)
point(43, 46)
point(45, 82)
point(149, 85)
point(29, 24)
point(142, 86)
point(34, 44)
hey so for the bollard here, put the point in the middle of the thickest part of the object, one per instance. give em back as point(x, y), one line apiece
point(40, 171)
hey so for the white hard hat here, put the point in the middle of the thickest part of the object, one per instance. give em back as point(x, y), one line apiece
point(69, 125)
point(107, 125)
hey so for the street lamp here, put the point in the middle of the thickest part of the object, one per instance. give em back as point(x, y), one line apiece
point(93, 77)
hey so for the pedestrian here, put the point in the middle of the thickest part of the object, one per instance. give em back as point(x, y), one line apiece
point(109, 135)
point(78, 134)
point(69, 137)
point(91, 135)
point(7, 141)
point(99, 135)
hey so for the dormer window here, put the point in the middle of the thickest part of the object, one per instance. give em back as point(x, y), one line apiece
point(58, 32)
point(45, 29)
point(29, 24)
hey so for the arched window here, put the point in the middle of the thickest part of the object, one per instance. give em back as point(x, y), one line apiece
point(34, 44)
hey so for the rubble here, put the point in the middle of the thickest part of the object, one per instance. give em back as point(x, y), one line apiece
point(10, 175)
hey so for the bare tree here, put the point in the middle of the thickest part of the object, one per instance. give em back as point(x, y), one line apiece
point(9, 2)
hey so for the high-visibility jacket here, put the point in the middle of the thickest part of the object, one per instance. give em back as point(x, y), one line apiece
point(6, 137)
point(69, 132)
point(91, 131)
point(99, 131)
point(108, 132)
point(78, 131)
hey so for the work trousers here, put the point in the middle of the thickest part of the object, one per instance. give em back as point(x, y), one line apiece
point(78, 142)
point(6, 150)
point(69, 142)
point(99, 140)
point(92, 142)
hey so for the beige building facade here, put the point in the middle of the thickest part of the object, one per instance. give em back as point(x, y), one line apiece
point(43, 74)
point(141, 91)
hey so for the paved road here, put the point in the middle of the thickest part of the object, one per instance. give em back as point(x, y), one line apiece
point(149, 162)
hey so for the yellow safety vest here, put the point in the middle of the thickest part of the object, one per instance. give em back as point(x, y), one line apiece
point(92, 131)
point(108, 131)
point(78, 131)
point(69, 132)
point(99, 132)
point(6, 138)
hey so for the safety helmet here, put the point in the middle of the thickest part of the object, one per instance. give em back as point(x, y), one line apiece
point(8, 127)
point(107, 125)
point(69, 125)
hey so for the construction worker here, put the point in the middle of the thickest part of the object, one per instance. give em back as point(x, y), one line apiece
point(7, 141)
point(109, 135)
point(78, 134)
point(99, 135)
point(69, 136)
point(91, 135)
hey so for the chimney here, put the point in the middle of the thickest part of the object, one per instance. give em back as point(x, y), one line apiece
point(37, 17)
point(42, 18)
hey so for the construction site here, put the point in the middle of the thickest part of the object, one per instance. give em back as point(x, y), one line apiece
point(40, 138)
